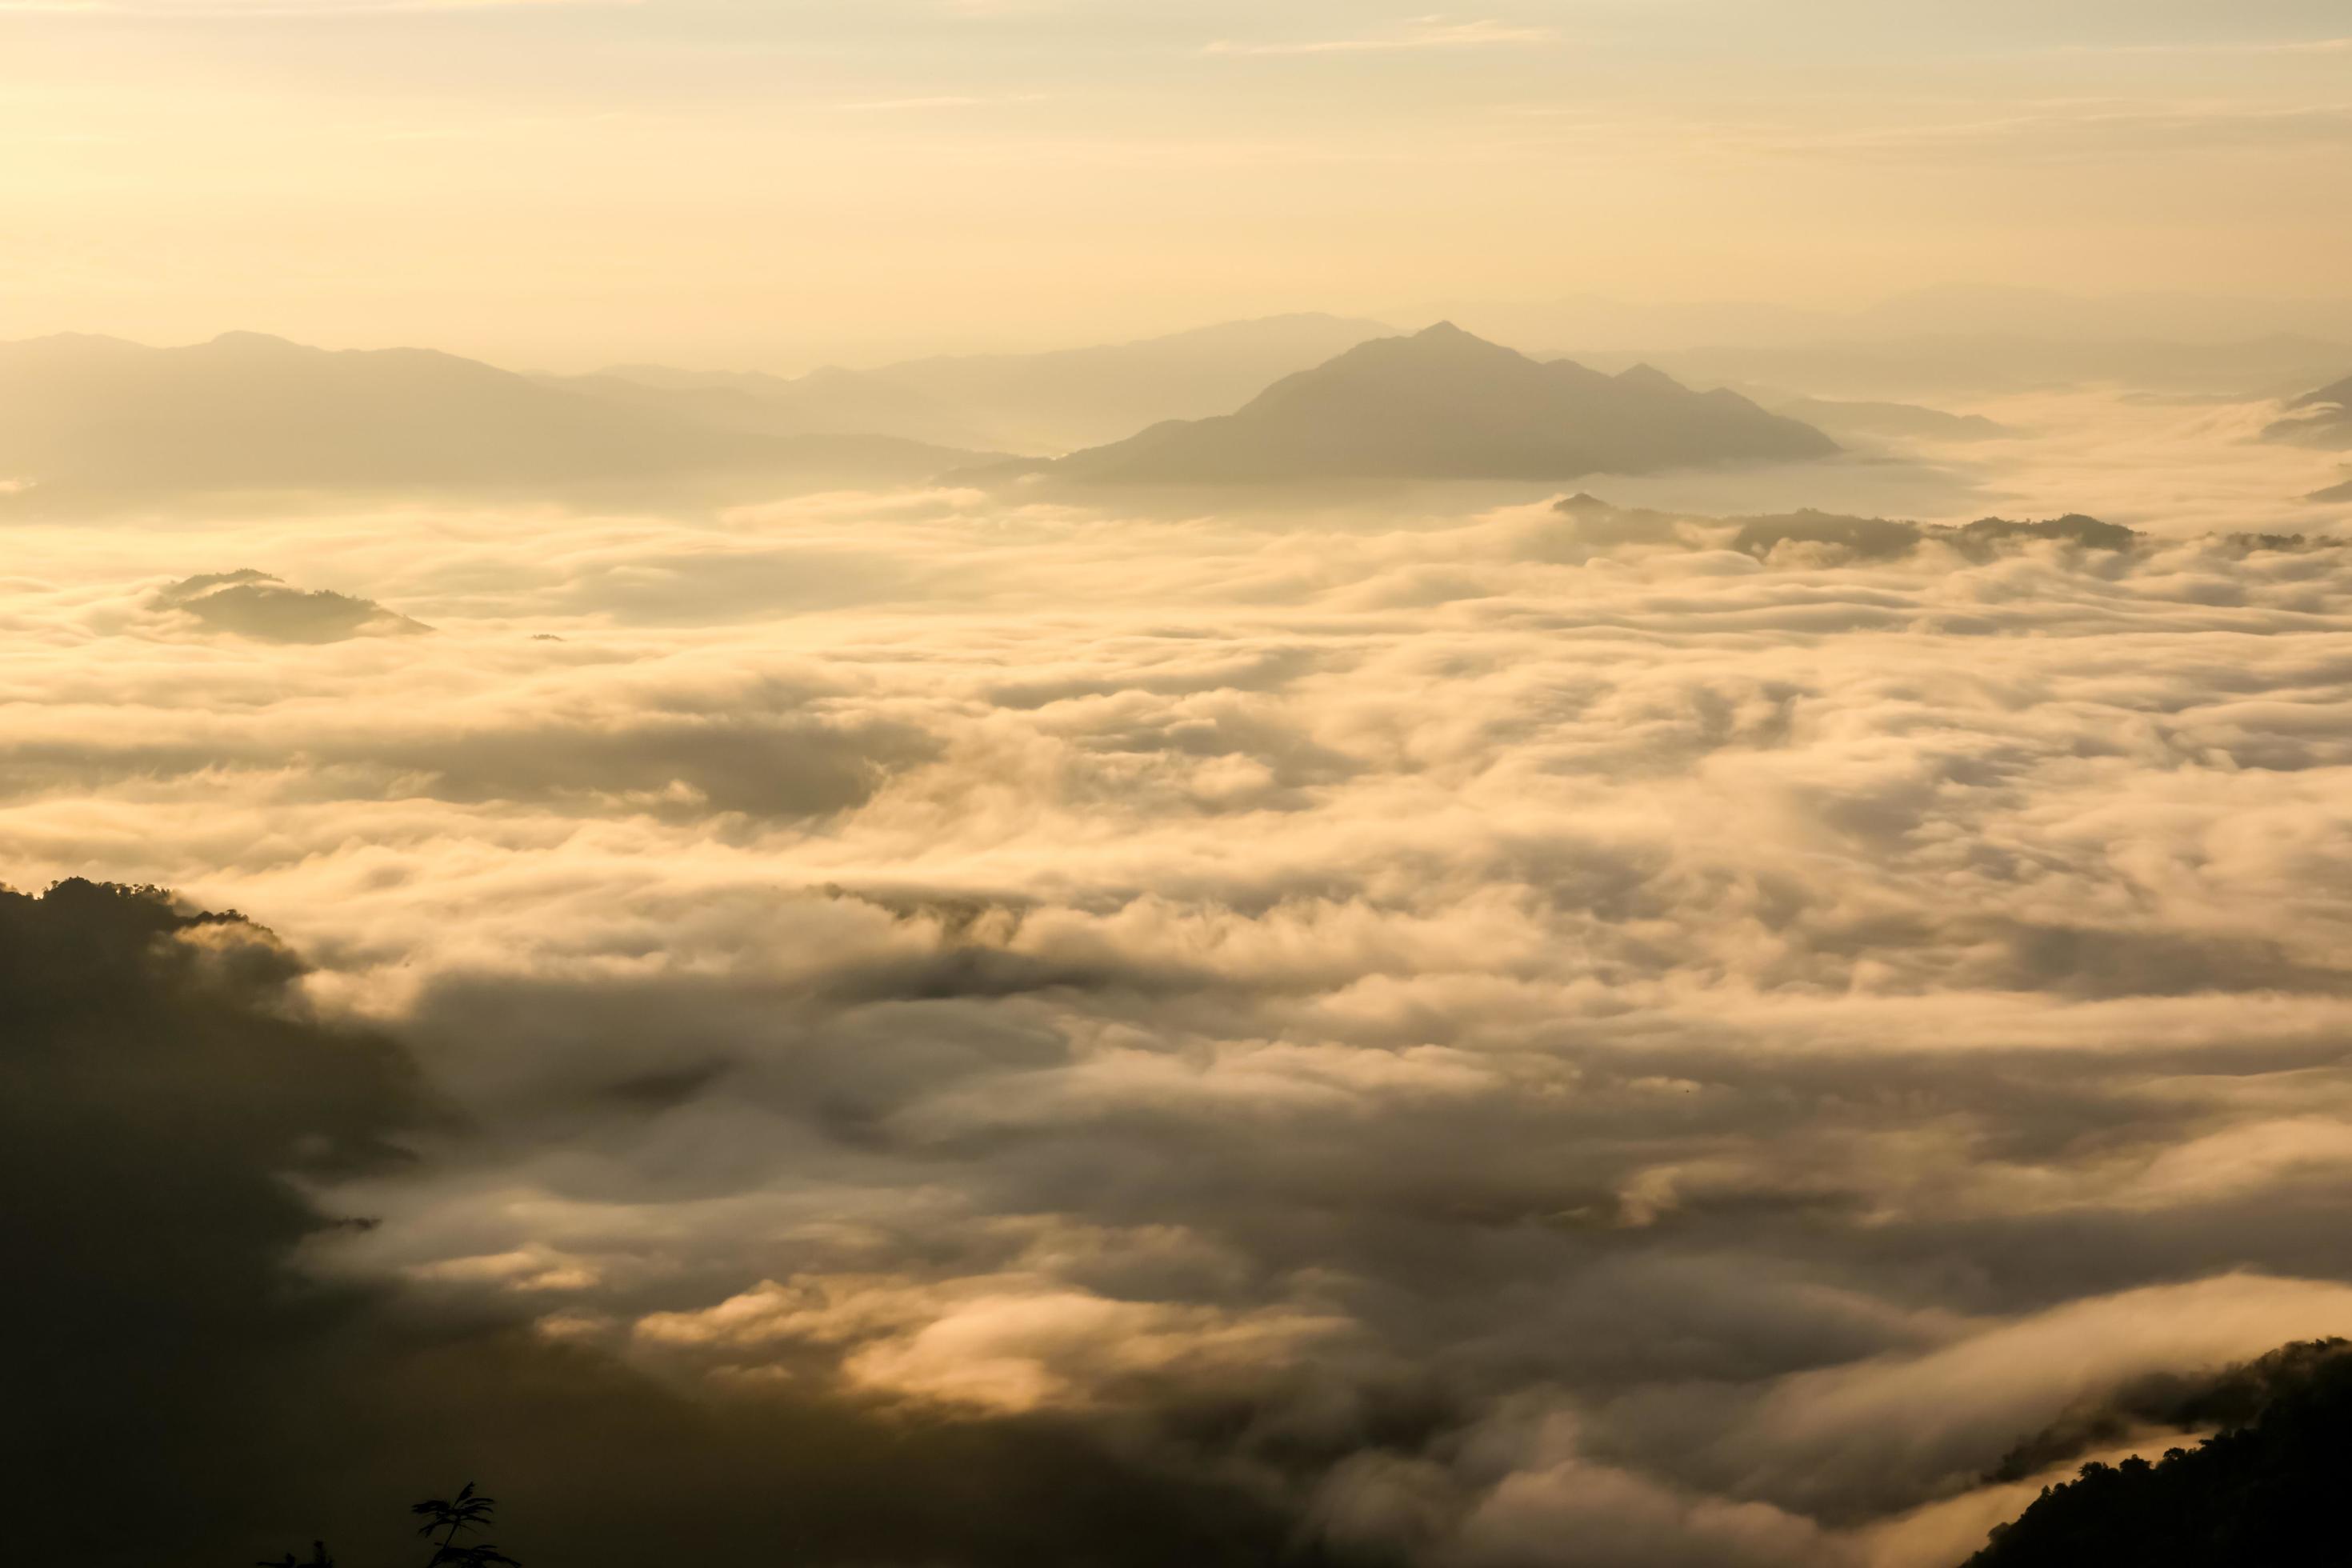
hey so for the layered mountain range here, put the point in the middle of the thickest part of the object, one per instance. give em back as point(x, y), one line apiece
point(94, 421)
point(89, 419)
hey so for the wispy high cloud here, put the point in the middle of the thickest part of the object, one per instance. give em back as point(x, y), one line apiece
point(234, 9)
point(2218, 46)
point(939, 100)
point(2073, 129)
point(1422, 33)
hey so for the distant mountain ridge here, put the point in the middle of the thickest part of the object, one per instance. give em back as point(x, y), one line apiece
point(1045, 402)
point(1877, 419)
point(1072, 398)
point(828, 402)
point(85, 418)
point(1949, 310)
point(2322, 418)
point(1444, 404)
point(1936, 366)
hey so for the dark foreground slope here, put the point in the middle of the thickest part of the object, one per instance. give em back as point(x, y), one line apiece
point(2270, 1488)
point(1443, 405)
point(183, 1390)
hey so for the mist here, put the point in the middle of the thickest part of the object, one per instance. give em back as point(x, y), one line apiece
point(1469, 1023)
point(1019, 783)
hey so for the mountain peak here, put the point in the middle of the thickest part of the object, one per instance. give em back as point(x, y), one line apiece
point(1650, 377)
point(253, 342)
point(1445, 403)
point(1446, 336)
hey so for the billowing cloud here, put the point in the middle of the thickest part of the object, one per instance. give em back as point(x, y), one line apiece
point(174, 1106)
point(1456, 1032)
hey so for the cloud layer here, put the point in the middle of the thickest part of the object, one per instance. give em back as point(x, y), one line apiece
point(1457, 1034)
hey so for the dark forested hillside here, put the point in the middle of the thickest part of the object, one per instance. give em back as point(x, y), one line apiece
point(2267, 1490)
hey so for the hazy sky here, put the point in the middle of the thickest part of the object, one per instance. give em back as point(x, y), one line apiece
point(756, 181)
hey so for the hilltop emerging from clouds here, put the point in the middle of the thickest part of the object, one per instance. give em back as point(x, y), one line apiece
point(1443, 405)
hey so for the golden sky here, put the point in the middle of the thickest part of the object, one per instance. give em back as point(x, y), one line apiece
point(768, 182)
point(1417, 1025)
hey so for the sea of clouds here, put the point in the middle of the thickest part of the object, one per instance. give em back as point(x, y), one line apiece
point(1507, 1035)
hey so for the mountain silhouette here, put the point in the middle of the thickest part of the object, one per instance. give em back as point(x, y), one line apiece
point(86, 417)
point(2322, 418)
point(1444, 404)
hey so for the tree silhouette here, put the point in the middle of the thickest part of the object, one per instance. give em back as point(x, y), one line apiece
point(2265, 1490)
point(318, 1558)
point(468, 1510)
point(446, 1517)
